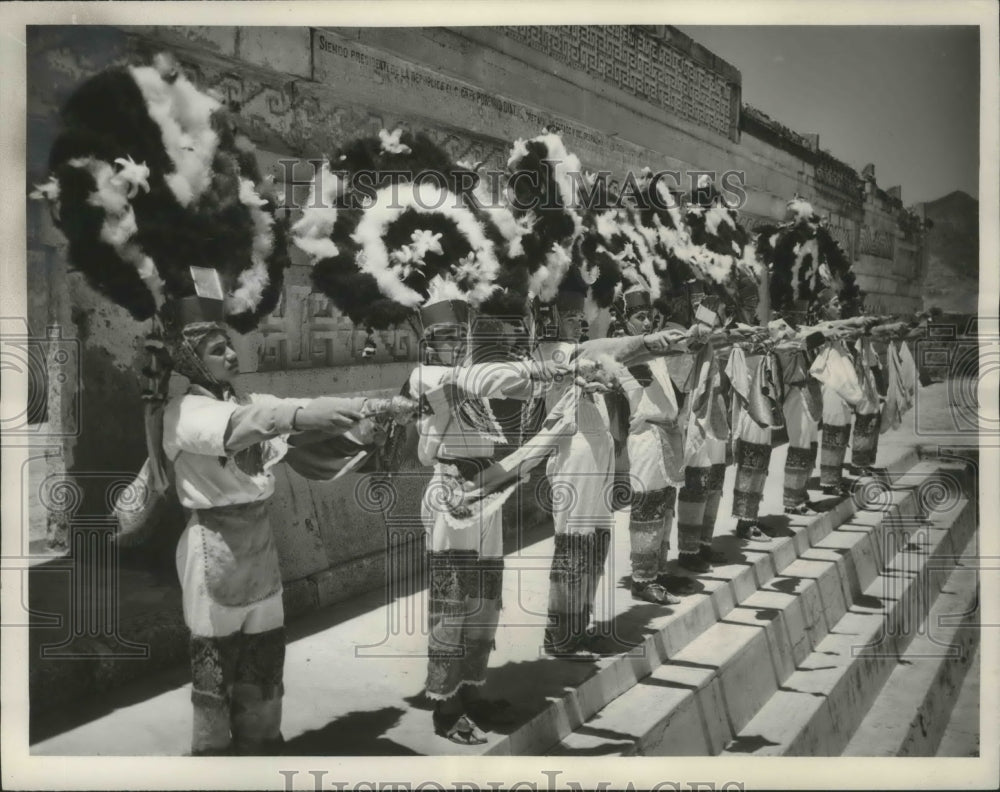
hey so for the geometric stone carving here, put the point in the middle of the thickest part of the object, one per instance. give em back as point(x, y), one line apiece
point(639, 64)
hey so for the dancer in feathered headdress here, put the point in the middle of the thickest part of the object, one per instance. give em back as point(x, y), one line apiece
point(654, 456)
point(723, 252)
point(810, 275)
point(581, 471)
point(644, 414)
point(810, 279)
point(160, 201)
point(423, 251)
point(696, 260)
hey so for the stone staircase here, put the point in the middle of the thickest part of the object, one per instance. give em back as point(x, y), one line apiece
point(848, 635)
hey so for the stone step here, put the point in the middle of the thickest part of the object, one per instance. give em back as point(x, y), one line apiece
point(373, 704)
point(911, 713)
point(696, 702)
point(819, 707)
point(962, 736)
point(726, 588)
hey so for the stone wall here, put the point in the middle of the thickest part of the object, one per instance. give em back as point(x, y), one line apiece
point(623, 98)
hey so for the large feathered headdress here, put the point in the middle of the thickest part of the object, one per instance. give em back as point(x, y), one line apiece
point(806, 263)
point(160, 199)
point(394, 233)
point(149, 177)
point(723, 250)
point(544, 180)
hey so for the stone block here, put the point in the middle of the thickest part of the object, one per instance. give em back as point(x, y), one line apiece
point(282, 49)
point(296, 525)
point(748, 680)
point(299, 597)
point(218, 39)
point(348, 519)
point(683, 732)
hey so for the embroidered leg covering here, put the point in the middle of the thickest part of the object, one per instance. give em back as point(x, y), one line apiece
point(833, 451)
point(480, 624)
point(668, 516)
point(865, 442)
point(213, 666)
point(691, 508)
point(570, 589)
point(648, 531)
point(798, 466)
point(713, 495)
point(463, 612)
point(752, 461)
point(602, 547)
point(258, 692)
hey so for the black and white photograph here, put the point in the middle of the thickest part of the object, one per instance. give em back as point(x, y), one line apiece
point(489, 396)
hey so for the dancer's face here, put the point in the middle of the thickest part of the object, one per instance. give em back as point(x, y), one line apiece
point(639, 322)
point(219, 357)
point(448, 343)
point(571, 325)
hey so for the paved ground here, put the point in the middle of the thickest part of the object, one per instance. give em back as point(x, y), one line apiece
point(961, 737)
point(354, 672)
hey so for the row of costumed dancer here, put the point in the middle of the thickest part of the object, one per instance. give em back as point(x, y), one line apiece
point(156, 187)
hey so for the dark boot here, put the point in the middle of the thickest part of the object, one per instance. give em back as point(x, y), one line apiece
point(710, 556)
point(749, 531)
point(693, 562)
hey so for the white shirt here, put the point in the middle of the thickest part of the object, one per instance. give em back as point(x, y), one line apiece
point(195, 429)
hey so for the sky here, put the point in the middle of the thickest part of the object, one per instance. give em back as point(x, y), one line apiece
point(903, 98)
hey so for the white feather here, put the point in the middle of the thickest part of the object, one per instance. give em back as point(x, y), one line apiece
point(250, 288)
point(146, 268)
point(440, 289)
point(376, 260)
point(546, 279)
point(606, 224)
point(49, 190)
point(317, 249)
point(645, 263)
point(119, 226)
point(183, 114)
point(517, 153)
point(319, 216)
point(799, 210)
point(509, 227)
point(716, 215)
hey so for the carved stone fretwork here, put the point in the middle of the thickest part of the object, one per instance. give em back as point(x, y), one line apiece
point(640, 64)
point(842, 179)
point(307, 331)
point(845, 238)
point(876, 242)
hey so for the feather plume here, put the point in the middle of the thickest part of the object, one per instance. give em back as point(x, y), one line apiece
point(311, 233)
point(150, 179)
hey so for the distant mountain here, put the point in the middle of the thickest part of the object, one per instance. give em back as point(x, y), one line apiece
point(952, 280)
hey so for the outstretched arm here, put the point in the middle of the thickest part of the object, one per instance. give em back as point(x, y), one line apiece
point(272, 417)
point(632, 350)
point(204, 425)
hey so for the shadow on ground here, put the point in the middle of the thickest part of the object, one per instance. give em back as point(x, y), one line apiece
point(358, 733)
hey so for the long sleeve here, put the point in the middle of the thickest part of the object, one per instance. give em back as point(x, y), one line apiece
point(263, 418)
point(211, 427)
point(506, 380)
